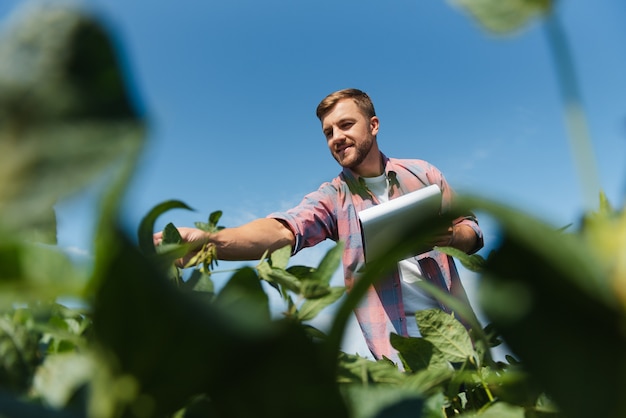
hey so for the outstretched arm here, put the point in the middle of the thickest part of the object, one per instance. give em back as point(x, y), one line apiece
point(245, 242)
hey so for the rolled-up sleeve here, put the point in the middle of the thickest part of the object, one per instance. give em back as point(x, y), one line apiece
point(314, 219)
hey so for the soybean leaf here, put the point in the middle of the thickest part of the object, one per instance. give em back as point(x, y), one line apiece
point(278, 276)
point(356, 369)
point(245, 302)
point(446, 333)
point(171, 235)
point(211, 225)
point(418, 353)
point(474, 262)
point(280, 257)
point(146, 226)
point(177, 348)
point(329, 264)
point(311, 307)
point(384, 401)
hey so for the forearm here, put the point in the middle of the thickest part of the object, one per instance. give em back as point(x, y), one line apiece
point(250, 241)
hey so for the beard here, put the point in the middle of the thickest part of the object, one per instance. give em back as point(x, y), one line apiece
point(359, 151)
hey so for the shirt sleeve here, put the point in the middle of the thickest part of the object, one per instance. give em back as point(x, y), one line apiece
point(314, 219)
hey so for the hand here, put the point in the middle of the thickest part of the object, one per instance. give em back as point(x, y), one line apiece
point(194, 236)
point(444, 239)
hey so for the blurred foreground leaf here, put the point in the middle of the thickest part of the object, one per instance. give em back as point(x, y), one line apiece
point(66, 114)
point(553, 301)
point(504, 16)
point(177, 347)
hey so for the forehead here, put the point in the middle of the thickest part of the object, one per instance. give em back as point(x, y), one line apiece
point(344, 109)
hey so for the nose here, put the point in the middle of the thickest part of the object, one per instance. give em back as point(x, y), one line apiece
point(337, 137)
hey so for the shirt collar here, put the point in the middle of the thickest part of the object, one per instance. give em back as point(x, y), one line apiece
point(357, 184)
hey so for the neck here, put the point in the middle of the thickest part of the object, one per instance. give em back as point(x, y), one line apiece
point(372, 166)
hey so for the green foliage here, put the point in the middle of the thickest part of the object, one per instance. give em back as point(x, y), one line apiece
point(145, 341)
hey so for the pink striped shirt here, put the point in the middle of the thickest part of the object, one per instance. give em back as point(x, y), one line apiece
point(331, 213)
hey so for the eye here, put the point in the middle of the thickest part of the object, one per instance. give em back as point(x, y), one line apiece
point(346, 125)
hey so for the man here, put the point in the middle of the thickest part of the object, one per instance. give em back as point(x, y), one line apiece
point(350, 126)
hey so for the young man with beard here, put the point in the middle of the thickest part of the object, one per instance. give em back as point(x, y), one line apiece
point(350, 126)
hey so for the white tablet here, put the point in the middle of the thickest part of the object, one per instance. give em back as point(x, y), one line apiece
point(384, 224)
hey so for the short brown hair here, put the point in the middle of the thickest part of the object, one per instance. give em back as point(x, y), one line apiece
point(361, 99)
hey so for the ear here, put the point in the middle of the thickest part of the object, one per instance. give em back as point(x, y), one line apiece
point(374, 125)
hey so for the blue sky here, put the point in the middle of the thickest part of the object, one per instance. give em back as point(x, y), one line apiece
point(230, 88)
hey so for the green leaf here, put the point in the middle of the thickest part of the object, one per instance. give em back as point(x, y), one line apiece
point(177, 347)
point(280, 257)
point(499, 410)
point(278, 276)
point(211, 225)
point(67, 115)
point(430, 380)
point(61, 376)
point(311, 307)
point(19, 354)
point(244, 301)
point(537, 288)
point(504, 16)
point(355, 369)
point(418, 353)
point(329, 264)
point(214, 218)
point(146, 226)
point(446, 333)
point(25, 274)
point(302, 273)
point(474, 262)
point(200, 282)
point(383, 401)
point(313, 289)
point(171, 235)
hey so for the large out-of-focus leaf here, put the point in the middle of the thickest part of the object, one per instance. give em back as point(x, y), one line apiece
point(383, 401)
point(553, 302)
point(19, 354)
point(177, 347)
point(61, 376)
point(66, 114)
point(25, 273)
point(504, 16)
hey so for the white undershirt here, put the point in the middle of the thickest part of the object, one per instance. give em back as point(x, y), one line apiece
point(413, 297)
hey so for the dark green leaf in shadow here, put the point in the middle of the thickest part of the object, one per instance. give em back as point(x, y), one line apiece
point(19, 354)
point(25, 273)
point(383, 401)
point(552, 302)
point(355, 369)
point(418, 354)
point(178, 347)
